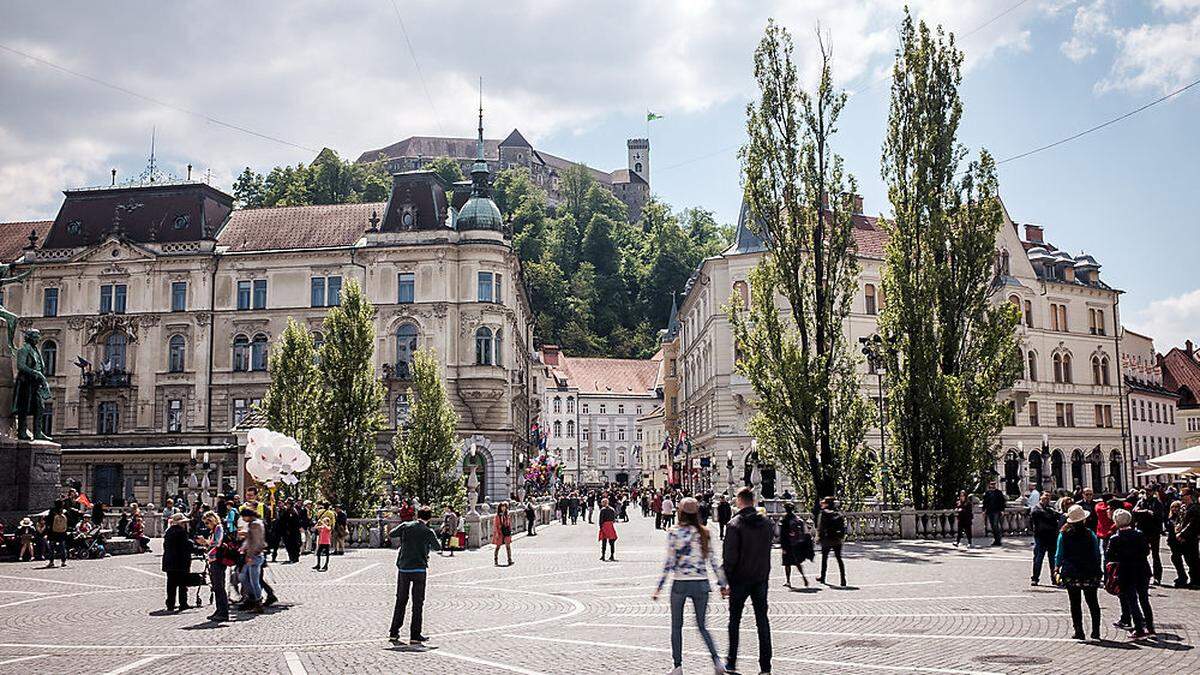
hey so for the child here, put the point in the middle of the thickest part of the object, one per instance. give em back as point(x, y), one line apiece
point(324, 539)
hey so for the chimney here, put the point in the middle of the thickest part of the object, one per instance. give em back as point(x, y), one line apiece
point(550, 354)
point(114, 176)
point(1188, 348)
point(189, 172)
point(1033, 234)
point(858, 204)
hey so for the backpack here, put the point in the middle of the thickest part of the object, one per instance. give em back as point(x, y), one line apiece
point(59, 525)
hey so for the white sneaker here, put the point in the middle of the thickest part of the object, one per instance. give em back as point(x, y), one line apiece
point(678, 670)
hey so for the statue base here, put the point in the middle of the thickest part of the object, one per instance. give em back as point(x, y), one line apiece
point(30, 477)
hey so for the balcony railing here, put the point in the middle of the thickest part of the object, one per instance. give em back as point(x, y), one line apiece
point(106, 379)
point(401, 372)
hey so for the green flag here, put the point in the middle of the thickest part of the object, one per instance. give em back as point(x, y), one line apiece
point(650, 117)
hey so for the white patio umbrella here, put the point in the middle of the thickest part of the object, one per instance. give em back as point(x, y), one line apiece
point(1169, 472)
point(1181, 459)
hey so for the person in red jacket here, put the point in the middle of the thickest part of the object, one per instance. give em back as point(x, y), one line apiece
point(1104, 521)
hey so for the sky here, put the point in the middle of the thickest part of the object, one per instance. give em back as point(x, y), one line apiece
point(226, 86)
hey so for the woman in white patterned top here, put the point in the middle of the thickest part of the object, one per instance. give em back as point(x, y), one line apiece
point(689, 557)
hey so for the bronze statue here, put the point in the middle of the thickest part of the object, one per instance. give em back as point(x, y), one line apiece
point(30, 391)
point(9, 317)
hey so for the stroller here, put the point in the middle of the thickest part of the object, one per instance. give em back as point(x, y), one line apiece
point(199, 579)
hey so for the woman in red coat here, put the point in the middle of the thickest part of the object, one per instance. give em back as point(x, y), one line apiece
point(502, 533)
point(608, 530)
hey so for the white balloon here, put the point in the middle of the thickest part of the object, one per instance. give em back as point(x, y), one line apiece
point(302, 462)
point(258, 435)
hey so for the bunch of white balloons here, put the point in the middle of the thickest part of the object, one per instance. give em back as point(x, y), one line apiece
point(272, 457)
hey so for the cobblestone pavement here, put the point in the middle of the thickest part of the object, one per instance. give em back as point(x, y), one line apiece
point(921, 607)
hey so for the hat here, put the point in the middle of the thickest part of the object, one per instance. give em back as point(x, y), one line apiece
point(689, 505)
point(178, 518)
point(1122, 518)
point(26, 522)
point(1076, 514)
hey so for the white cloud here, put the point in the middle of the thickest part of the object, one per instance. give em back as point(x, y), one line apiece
point(1090, 25)
point(1158, 57)
point(1171, 320)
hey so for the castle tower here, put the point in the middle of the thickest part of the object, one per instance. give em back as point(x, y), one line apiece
point(639, 157)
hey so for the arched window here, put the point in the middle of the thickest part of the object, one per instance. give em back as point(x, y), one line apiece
point(1058, 369)
point(557, 404)
point(1104, 371)
point(406, 346)
point(1066, 368)
point(114, 351)
point(1029, 313)
point(1056, 468)
point(557, 429)
point(1096, 377)
point(258, 352)
point(1077, 468)
point(570, 404)
point(1016, 303)
point(1032, 366)
point(50, 357)
point(483, 346)
point(743, 293)
point(499, 358)
point(637, 167)
point(869, 296)
point(175, 353)
point(241, 353)
point(318, 339)
point(570, 428)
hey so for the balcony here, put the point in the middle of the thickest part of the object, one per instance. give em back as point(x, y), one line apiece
point(106, 379)
point(397, 372)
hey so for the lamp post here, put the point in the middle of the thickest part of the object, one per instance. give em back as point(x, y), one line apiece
point(872, 348)
point(729, 468)
point(472, 483)
point(1045, 459)
point(198, 481)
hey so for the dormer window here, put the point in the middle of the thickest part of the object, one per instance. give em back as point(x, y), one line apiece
point(181, 221)
point(74, 227)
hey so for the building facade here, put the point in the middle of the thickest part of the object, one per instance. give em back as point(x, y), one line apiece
point(631, 185)
point(1150, 406)
point(158, 303)
point(1067, 427)
point(1181, 374)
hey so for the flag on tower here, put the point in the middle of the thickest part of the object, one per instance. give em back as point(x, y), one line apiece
point(651, 116)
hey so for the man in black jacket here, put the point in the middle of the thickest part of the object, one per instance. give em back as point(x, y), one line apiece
point(177, 561)
point(724, 514)
point(1043, 520)
point(994, 503)
point(1187, 534)
point(417, 539)
point(1149, 515)
point(747, 565)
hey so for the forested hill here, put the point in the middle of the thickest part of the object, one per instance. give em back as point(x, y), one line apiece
point(599, 286)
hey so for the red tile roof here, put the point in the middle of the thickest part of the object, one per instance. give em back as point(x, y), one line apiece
point(292, 227)
point(1181, 370)
point(14, 237)
point(609, 376)
point(869, 236)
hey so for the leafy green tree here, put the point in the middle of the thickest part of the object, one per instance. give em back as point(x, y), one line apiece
point(426, 455)
point(290, 402)
point(811, 418)
point(249, 189)
point(345, 431)
point(447, 169)
point(950, 350)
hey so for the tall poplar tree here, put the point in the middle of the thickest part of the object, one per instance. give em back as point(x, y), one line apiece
point(290, 402)
point(950, 351)
point(349, 417)
point(811, 418)
point(426, 454)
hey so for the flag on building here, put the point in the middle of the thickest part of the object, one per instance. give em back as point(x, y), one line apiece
point(651, 116)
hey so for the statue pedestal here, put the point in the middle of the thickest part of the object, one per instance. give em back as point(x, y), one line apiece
point(30, 478)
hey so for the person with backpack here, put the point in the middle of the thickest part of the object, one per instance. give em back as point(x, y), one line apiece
point(747, 566)
point(831, 532)
point(1126, 553)
point(416, 540)
point(795, 543)
point(58, 534)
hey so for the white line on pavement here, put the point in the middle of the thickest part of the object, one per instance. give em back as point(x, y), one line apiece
point(876, 615)
point(293, 663)
point(42, 598)
point(22, 658)
point(137, 664)
point(355, 573)
point(850, 599)
point(55, 581)
point(460, 571)
point(156, 575)
point(919, 636)
point(789, 659)
point(482, 662)
point(2, 590)
point(601, 579)
point(898, 583)
point(535, 576)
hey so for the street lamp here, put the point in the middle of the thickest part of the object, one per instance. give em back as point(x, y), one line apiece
point(872, 348)
point(729, 468)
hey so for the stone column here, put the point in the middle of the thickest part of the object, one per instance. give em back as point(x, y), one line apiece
point(908, 521)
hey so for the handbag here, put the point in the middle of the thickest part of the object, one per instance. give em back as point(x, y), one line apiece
point(1111, 585)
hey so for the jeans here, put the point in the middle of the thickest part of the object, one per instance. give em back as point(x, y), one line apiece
point(1089, 594)
point(837, 554)
point(697, 590)
point(176, 590)
point(964, 527)
point(403, 581)
point(993, 519)
point(216, 577)
point(252, 579)
point(1135, 604)
point(757, 593)
point(1156, 561)
point(1042, 547)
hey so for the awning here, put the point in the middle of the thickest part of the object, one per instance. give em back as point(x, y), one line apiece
point(1170, 471)
point(1181, 459)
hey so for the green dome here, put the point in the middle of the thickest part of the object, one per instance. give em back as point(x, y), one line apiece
point(480, 213)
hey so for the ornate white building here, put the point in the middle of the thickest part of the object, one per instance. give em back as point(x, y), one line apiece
point(168, 299)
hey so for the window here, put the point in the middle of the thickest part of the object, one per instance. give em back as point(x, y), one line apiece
point(49, 302)
point(260, 294)
point(243, 295)
point(1032, 366)
point(499, 360)
point(107, 417)
point(174, 415)
point(252, 294)
point(483, 346)
point(1062, 368)
point(112, 298)
point(603, 456)
point(639, 409)
point(603, 408)
point(1058, 317)
point(406, 285)
point(620, 408)
point(242, 407)
point(1100, 370)
point(1033, 414)
point(557, 404)
point(258, 352)
point(318, 292)
point(604, 433)
point(175, 354)
point(1103, 416)
point(570, 404)
point(406, 346)
point(1016, 303)
point(571, 428)
point(557, 429)
point(1029, 313)
point(49, 356)
point(742, 292)
point(241, 353)
point(584, 408)
point(178, 296)
point(639, 434)
point(869, 294)
point(586, 434)
point(621, 434)
point(489, 287)
point(325, 292)
point(114, 352)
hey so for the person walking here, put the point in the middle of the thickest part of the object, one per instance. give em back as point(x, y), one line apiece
point(831, 532)
point(449, 529)
point(747, 567)
point(1077, 564)
point(502, 534)
point(608, 530)
point(690, 555)
point(1128, 549)
point(1043, 520)
point(57, 534)
point(1149, 516)
point(177, 561)
point(964, 512)
point(795, 544)
point(324, 543)
point(668, 511)
point(656, 507)
point(222, 554)
point(1187, 534)
point(25, 535)
point(1171, 524)
point(416, 540)
point(994, 503)
point(530, 518)
point(253, 549)
point(724, 513)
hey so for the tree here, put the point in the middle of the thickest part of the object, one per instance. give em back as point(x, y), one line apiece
point(811, 418)
point(328, 180)
point(426, 455)
point(351, 397)
point(290, 402)
point(950, 350)
point(248, 189)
